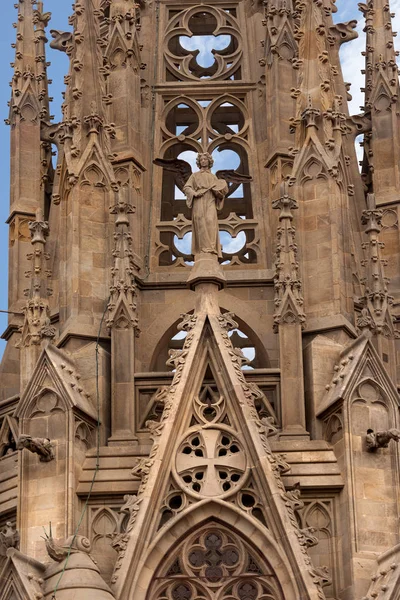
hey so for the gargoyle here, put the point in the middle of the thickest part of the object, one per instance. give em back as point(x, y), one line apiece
point(9, 538)
point(41, 446)
point(61, 39)
point(381, 439)
point(344, 32)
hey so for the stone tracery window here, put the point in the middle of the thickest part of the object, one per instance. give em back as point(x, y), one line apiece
point(202, 47)
point(215, 563)
point(203, 42)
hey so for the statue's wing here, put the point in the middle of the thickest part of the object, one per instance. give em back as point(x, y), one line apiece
point(181, 169)
point(232, 176)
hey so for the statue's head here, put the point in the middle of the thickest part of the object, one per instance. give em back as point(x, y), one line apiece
point(204, 159)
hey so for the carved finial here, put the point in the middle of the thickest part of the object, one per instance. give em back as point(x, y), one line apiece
point(122, 307)
point(376, 314)
point(288, 288)
point(30, 64)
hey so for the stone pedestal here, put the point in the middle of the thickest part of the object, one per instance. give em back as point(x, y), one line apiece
point(206, 269)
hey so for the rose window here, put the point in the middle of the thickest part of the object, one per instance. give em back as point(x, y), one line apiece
point(210, 462)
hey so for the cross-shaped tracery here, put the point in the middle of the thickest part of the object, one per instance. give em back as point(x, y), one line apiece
point(210, 462)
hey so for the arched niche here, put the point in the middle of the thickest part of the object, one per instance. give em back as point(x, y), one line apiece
point(243, 337)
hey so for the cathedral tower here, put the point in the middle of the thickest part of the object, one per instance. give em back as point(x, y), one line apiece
point(200, 385)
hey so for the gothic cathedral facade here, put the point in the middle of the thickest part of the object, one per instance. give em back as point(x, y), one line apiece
point(199, 391)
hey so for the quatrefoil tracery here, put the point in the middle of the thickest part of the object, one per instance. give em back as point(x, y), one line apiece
point(182, 64)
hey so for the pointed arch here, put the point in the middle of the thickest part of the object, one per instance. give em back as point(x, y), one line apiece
point(168, 341)
point(258, 541)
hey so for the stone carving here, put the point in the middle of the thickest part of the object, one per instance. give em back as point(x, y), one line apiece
point(322, 576)
point(122, 306)
point(381, 439)
point(342, 32)
point(267, 426)
point(281, 463)
point(293, 501)
point(183, 64)
point(72, 545)
point(227, 321)
point(131, 508)
point(376, 314)
point(37, 326)
point(287, 282)
point(131, 505)
point(205, 194)
point(205, 453)
point(41, 446)
point(61, 39)
point(309, 538)
point(9, 538)
point(154, 427)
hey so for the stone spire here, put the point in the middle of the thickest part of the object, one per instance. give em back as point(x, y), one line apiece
point(320, 171)
point(29, 85)
point(36, 330)
point(376, 314)
point(280, 61)
point(85, 107)
point(30, 157)
point(123, 62)
point(382, 102)
point(319, 114)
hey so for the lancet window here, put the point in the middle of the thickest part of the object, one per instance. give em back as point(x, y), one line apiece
point(202, 48)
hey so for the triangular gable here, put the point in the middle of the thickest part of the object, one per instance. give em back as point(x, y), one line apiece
point(8, 432)
point(27, 103)
point(55, 372)
point(358, 359)
point(21, 577)
point(93, 156)
point(182, 433)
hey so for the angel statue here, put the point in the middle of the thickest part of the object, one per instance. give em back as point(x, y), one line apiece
point(205, 194)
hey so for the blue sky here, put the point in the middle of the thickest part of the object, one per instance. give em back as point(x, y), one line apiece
point(352, 62)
